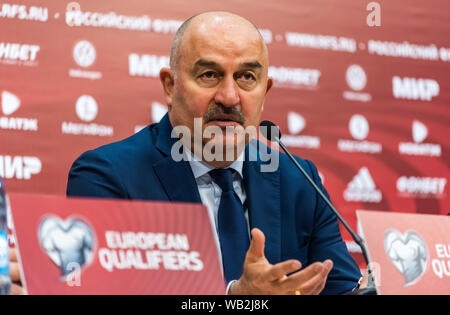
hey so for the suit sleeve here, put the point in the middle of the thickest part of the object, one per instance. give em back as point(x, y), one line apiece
point(93, 175)
point(327, 243)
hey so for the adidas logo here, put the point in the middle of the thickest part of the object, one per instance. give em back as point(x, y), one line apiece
point(362, 188)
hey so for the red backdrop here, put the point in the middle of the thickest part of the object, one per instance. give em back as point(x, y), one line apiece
point(368, 104)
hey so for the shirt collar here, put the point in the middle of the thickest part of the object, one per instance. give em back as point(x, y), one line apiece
point(200, 168)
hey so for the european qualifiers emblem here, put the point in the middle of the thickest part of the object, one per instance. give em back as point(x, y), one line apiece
point(408, 252)
point(70, 244)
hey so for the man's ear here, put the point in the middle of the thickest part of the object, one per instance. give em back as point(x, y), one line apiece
point(269, 84)
point(167, 79)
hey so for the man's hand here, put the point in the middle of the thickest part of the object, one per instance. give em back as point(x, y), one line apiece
point(14, 271)
point(260, 277)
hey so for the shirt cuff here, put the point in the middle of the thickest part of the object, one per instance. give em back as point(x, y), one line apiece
point(229, 286)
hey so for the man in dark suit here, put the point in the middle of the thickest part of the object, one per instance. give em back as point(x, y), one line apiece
point(274, 233)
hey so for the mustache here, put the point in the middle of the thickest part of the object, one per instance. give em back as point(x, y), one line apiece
point(232, 113)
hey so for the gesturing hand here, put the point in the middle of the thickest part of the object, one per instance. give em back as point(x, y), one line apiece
point(261, 277)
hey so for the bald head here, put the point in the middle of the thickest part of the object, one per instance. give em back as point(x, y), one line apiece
point(208, 23)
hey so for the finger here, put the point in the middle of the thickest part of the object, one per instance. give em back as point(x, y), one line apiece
point(256, 249)
point(14, 272)
point(278, 271)
point(316, 284)
point(13, 255)
point(328, 264)
point(17, 289)
point(296, 280)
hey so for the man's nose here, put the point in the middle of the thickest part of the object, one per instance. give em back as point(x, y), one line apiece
point(228, 93)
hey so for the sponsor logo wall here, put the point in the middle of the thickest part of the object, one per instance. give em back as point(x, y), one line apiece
point(370, 106)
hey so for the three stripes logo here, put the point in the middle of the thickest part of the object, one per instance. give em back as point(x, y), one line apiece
point(362, 188)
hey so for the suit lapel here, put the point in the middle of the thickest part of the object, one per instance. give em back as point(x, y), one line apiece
point(264, 205)
point(176, 178)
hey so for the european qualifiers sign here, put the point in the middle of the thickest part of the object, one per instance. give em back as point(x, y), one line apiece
point(88, 246)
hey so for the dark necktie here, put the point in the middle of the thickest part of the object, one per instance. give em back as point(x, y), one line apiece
point(232, 226)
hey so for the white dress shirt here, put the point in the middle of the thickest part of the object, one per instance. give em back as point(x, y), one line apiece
point(210, 192)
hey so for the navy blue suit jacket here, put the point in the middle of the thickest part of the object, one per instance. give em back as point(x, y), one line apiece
point(296, 223)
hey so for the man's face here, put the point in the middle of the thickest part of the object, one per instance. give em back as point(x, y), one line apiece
point(221, 78)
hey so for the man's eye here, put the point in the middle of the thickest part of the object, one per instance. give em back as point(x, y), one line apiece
point(247, 76)
point(209, 75)
point(246, 80)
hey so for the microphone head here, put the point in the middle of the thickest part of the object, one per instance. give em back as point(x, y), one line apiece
point(270, 130)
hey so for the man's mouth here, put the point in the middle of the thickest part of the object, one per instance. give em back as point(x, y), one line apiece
point(224, 120)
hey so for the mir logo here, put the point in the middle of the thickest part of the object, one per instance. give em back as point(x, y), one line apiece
point(19, 167)
point(415, 88)
point(146, 65)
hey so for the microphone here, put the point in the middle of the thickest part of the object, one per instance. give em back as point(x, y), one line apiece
point(272, 133)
